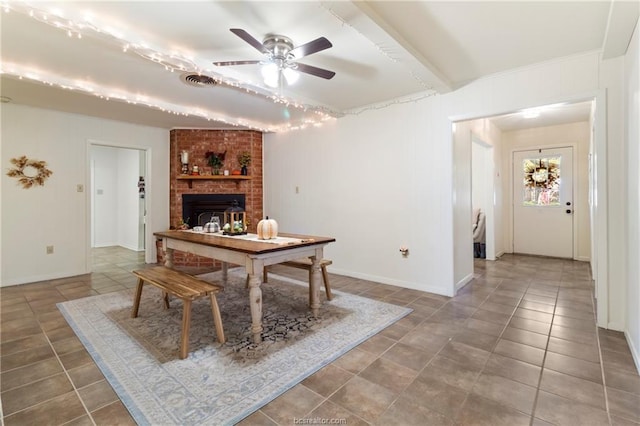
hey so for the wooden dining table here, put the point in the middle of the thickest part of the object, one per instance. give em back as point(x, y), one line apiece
point(254, 254)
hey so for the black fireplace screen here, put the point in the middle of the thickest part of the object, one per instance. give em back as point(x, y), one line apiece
point(197, 209)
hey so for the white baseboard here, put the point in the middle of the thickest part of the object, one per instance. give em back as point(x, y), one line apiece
point(38, 278)
point(634, 351)
point(104, 245)
point(616, 326)
point(132, 248)
point(463, 282)
point(444, 291)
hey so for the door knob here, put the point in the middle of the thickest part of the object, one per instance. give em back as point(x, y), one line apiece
point(568, 203)
point(568, 211)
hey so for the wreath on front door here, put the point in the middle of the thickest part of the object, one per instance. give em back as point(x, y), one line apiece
point(29, 172)
point(541, 173)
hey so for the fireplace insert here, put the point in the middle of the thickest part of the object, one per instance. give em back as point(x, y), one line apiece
point(197, 209)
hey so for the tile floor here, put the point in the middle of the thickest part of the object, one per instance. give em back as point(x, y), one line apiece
point(518, 345)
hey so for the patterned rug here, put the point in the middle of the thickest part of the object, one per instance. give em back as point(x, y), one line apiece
point(218, 384)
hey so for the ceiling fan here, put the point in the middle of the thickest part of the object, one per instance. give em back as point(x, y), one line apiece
point(281, 56)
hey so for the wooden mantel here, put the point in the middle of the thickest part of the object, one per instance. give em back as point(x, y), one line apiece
point(191, 178)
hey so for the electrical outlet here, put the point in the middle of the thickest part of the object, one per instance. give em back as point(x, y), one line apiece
point(49, 249)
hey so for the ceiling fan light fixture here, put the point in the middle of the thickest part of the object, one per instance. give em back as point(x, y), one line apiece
point(271, 75)
point(280, 66)
point(291, 75)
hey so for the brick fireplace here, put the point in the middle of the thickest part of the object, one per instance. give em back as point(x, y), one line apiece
point(197, 142)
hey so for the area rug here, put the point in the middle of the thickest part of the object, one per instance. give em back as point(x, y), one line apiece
point(218, 384)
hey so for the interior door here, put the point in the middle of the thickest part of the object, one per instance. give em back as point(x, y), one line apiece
point(543, 202)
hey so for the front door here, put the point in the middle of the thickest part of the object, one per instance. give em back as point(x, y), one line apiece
point(543, 202)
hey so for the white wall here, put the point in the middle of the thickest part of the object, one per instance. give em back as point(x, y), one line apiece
point(55, 214)
point(573, 134)
point(485, 191)
point(104, 196)
point(488, 133)
point(128, 198)
point(374, 182)
point(384, 177)
point(462, 229)
point(632, 144)
point(465, 132)
point(115, 197)
point(479, 191)
point(612, 76)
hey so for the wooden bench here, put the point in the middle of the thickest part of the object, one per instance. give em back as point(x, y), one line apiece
point(306, 265)
point(185, 287)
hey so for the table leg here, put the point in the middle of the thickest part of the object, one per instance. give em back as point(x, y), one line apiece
point(314, 282)
point(255, 301)
point(225, 273)
point(136, 300)
point(168, 257)
point(186, 324)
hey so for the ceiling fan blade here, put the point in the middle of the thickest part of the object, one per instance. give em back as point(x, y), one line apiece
point(318, 72)
point(312, 47)
point(249, 39)
point(227, 63)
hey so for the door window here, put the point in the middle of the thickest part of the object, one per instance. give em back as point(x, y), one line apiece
point(541, 181)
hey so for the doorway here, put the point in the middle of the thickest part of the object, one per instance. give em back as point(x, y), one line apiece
point(590, 212)
point(543, 197)
point(117, 197)
point(483, 191)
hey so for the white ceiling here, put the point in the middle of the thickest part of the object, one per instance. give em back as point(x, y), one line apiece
point(543, 116)
point(123, 60)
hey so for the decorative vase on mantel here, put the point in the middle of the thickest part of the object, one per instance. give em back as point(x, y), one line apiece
point(244, 159)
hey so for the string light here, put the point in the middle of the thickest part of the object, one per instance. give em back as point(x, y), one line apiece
point(169, 61)
point(175, 61)
point(400, 101)
point(13, 70)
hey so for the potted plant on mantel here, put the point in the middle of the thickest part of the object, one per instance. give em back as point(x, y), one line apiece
point(215, 160)
point(244, 159)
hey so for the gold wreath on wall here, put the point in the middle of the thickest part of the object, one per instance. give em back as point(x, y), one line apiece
point(29, 172)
